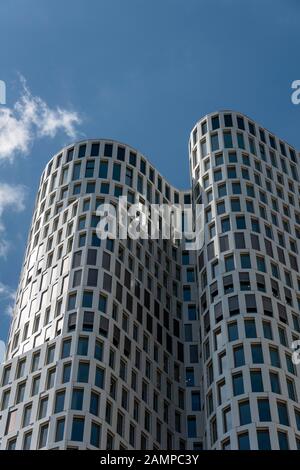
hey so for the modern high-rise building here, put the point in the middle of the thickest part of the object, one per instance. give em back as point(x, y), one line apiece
point(144, 344)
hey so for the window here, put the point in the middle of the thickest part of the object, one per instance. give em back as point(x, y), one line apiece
point(227, 419)
point(59, 401)
point(27, 415)
point(102, 303)
point(218, 175)
point(283, 440)
point(35, 385)
point(72, 300)
point(60, 429)
point(66, 348)
point(214, 142)
point(290, 364)
point(95, 149)
point(77, 399)
point(116, 172)
point(20, 392)
point(240, 222)
point(274, 356)
point(235, 205)
point(239, 357)
point(77, 429)
point(215, 122)
point(192, 428)
point(66, 373)
point(196, 402)
point(189, 377)
point(83, 372)
point(89, 169)
point(229, 263)
point(238, 384)
point(94, 403)
point(99, 377)
point(243, 441)
point(256, 381)
point(20, 368)
point(283, 413)
point(222, 392)
point(27, 441)
point(83, 344)
point(244, 412)
point(90, 188)
point(87, 300)
point(297, 418)
point(81, 151)
point(50, 378)
point(267, 328)
point(227, 139)
point(95, 435)
point(250, 328)
point(43, 436)
point(239, 241)
point(257, 354)
point(261, 265)
point(98, 354)
point(291, 389)
point(245, 261)
point(120, 423)
point(108, 149)
point(263, 439)
point(232, 331)
point(219, 160)
point(6, 374)
point(43, 407)
point(275, 384)
point(231, 172)
point(233, 305)
point(103, 169)
point(264, 409)
point(225, 224)
point(222, 190)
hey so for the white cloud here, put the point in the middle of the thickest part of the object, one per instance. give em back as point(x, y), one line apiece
point(7, 299)
point(31, 118)
point(2, 351)
point(11, 198)
point(7, 295)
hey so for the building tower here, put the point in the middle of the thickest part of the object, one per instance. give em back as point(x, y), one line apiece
point(95, 356)
point(143, 344)
point(248, 282)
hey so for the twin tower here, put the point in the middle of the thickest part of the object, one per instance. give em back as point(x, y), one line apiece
point(143, 344)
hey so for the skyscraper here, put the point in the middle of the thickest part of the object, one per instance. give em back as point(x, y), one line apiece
point(143, 344)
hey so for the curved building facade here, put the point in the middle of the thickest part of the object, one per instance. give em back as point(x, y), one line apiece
point(143, 344)
point(248, 282)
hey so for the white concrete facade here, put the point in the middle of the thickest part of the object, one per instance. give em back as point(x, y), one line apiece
point(248, 282)
point(140, 344)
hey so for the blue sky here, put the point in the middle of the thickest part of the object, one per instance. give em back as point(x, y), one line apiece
point(142, 72)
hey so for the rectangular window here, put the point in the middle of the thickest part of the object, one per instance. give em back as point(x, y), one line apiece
point(60, 429)
point(77, 429)
point(43, 436)
point(83, 372)
point(95, 435)
point(244, 412)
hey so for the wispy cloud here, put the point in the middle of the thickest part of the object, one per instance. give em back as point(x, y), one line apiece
point(30, 119)
point(12, 198)
point(7, 298)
